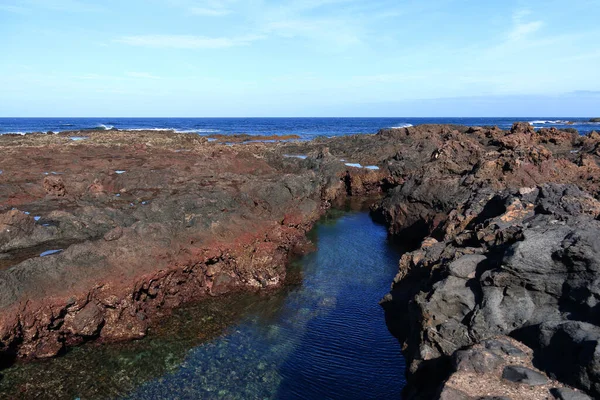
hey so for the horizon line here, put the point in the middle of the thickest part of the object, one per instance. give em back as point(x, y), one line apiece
point(298, 117)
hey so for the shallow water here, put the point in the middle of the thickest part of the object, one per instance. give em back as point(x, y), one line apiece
point(322, 338)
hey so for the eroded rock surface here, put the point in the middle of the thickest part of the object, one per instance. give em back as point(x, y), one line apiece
point(146, 221)
point(508, 230)
point(504, 226)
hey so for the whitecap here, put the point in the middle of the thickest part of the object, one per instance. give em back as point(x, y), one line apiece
point(120, 172)
point(355, 165)
point(201, 131)
point(548, 122)
point(149, 129)
point(105, 127)
point(14, 133)
point(402, 126)
point(50, 252)
point(173, 130)
point(300, 156)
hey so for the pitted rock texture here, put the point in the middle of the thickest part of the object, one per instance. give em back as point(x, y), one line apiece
point(525, 263)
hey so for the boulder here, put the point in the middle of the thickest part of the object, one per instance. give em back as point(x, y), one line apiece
point(568, 394)
point(523, 375)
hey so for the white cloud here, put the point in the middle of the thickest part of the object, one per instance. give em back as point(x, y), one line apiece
point(141, 75)
point(209, 12)
point(188, 41)
point(333, 31)
point(523, 28)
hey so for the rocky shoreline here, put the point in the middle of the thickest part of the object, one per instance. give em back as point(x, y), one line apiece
point(139, 223)
point(502, 279)
point(510, 248)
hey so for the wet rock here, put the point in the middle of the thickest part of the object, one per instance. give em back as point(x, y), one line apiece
point(523, 376)
point(48, 346)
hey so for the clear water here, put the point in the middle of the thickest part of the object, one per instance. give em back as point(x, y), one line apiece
point(324, 338)
point(307, 128)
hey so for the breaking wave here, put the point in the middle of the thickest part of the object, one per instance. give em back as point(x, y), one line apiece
point(543, 122)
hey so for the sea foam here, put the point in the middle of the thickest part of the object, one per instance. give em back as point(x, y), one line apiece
point(543, 122)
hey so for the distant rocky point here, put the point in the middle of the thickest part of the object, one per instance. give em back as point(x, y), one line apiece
point(595, 120)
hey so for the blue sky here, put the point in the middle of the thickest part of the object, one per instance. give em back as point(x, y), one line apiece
point(299, 58)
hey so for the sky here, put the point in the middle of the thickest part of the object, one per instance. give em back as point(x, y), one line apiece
point(244, 58)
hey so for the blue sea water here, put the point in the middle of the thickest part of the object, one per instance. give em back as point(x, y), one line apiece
point(307, 128)
point(324, 337)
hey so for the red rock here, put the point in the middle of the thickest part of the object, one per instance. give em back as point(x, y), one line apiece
point(54, 186)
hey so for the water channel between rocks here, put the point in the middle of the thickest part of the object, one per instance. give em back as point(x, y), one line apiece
point(324, 338)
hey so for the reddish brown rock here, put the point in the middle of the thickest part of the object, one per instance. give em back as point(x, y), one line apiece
point(54, 186)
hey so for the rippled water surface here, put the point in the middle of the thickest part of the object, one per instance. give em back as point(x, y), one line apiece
point(323, 338)
point(306, 128)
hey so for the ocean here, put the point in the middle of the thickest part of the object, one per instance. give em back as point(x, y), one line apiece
point(307, 128)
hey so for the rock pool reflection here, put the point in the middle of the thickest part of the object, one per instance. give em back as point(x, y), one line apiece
point(324, 338)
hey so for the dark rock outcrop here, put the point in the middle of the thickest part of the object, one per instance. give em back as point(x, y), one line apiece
point(500, 251)
point(526, 259)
